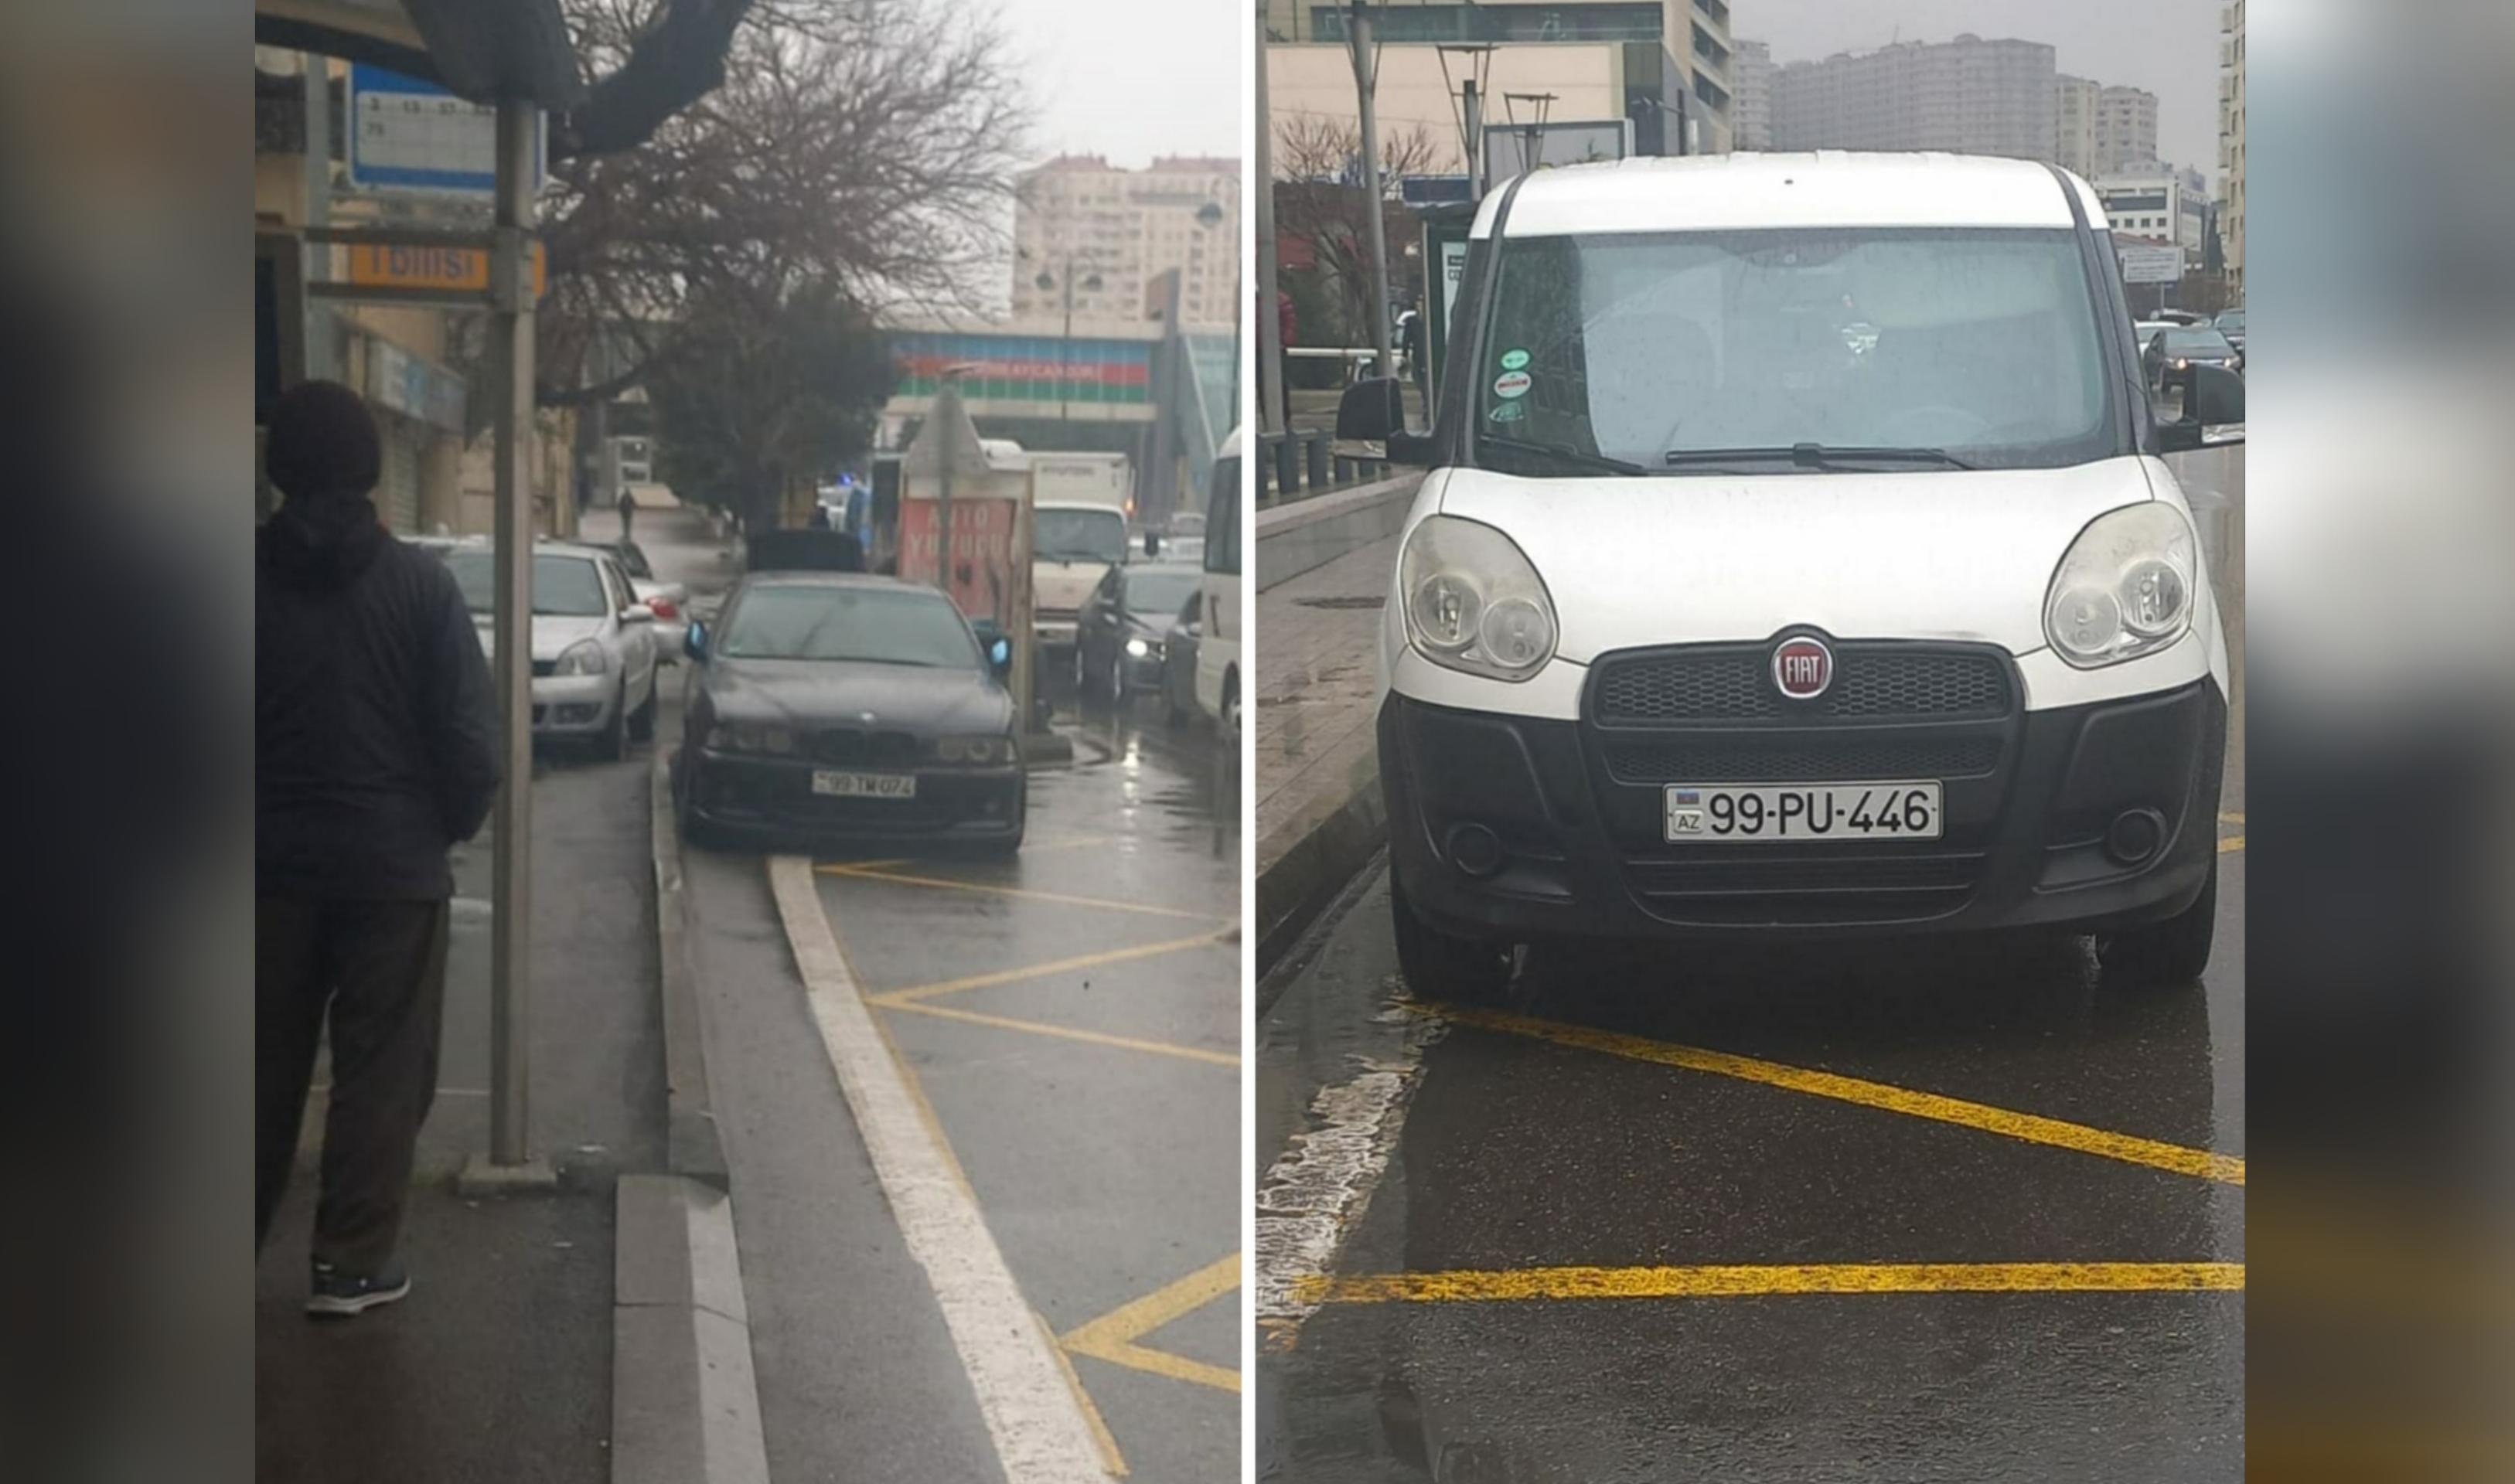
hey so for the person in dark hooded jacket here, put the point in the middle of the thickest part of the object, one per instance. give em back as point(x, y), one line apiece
point(375, 753)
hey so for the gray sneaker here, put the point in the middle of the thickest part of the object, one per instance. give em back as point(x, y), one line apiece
point(337, 1295)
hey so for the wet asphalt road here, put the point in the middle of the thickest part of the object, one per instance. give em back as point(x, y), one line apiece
point(1759, 1244)
point(1089, 1089)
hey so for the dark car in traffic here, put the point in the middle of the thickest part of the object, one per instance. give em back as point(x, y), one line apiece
point(1179, 663)
point(1126, 624)
point(848, 709)
point(2173, 350)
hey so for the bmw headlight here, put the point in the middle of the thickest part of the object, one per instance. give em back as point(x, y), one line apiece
point(2125, 589)
point(584, 657)
point(1138, 649)
point(975, 752)
point(1473, 602)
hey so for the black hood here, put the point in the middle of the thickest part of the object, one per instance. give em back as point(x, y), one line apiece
point(323, 542)
point(815, 693)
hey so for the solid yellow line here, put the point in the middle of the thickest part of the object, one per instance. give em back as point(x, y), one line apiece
point(2031, 1127)
point(1110, 1457)
point(1112, 1337)
point(862, 874)
point(900, 996)
point(1069, 1033)
point(2231, 845)
point(2230, 816)
point(1740, 1282)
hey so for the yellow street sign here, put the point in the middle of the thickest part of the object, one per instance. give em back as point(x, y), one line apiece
point(458, 269)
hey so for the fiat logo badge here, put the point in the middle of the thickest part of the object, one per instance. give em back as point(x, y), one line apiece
point(1802, 668)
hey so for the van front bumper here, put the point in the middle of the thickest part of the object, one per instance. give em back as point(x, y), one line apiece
point(1562, 822)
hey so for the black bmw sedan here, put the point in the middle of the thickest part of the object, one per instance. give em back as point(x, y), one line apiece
point(847, 708)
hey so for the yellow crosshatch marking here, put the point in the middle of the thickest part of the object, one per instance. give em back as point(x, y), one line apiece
point(2031, 1127)
point(898, 998)
point(1064, 1033)
point(1748, 1281)
point(945, 882)
point(1112, 1337)
point(2231, 845)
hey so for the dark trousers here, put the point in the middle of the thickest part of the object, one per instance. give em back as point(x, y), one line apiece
point(377, 969)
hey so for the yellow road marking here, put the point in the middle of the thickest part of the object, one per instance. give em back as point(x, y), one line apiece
point(1112, 1337)
point(1065, 842)
point(1111, 1457)
point(894, 999)
point(863, 873)
point(2230, 816)
point(1069, 1033)
point(1793, 1278)
point(2231, 845)
point(2031, 1128)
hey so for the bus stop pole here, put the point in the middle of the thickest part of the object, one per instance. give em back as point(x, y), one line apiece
point(1366, 82)
point(1270, 333)
point(510, 355)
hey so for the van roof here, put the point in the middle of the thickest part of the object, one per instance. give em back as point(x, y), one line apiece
point(1826, 189)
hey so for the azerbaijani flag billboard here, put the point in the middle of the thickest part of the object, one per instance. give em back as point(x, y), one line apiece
point(1035, 369)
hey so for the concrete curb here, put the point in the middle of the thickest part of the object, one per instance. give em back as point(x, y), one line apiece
point(684, 1400)
point(1308, 534)
point(692, 1142)
point(1316, 866)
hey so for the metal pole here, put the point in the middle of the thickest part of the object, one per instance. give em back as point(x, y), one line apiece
point(1270, 332)
point(948, 395)
point(1065, 351)
point(1364, 79)
point(511, 352)
point(320, 359)
point(1472, 108)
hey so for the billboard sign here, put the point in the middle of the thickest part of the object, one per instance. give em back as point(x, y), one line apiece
point(1509, 149)
point(406, 135)
point(1027, 369)
point(2149, 262)
point(990, 556)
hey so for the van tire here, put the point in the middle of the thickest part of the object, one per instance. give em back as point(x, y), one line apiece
point(1440, 966)
point(2163, 956)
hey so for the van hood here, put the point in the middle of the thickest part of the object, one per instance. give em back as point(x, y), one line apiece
point(1938, 554)
point(1062, 586)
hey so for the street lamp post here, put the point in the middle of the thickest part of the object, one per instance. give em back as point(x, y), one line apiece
point(1065, 347)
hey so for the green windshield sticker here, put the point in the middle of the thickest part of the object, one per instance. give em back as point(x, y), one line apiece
point(1512, 360)
point(1508, 412)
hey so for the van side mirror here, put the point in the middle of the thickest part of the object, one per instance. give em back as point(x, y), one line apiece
point(2213, 397)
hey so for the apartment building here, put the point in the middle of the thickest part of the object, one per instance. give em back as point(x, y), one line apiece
point(2231, 140)
point(1750, 68)
point(1108, 235)
point(1668, 66)
point(1968, 97)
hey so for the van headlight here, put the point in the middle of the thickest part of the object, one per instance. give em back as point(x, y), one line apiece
point(1473, 602)
point(2126, 588)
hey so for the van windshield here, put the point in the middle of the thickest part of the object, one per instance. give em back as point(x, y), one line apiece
point(1080, 535)
point(1883, 349)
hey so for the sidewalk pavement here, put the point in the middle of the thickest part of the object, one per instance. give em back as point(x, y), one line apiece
point(1319, 814)
point(500, 1364)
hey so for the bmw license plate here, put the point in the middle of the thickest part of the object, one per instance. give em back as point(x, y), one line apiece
point(1767, 813)
point(865, 785)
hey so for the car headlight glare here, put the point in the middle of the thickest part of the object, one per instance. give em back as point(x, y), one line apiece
point(1138, 649)
point(584, 657)
point(1473, 602)
point(2126, 588)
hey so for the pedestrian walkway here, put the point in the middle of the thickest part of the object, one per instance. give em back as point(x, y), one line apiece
point(499, 1365)
point(1318, 783)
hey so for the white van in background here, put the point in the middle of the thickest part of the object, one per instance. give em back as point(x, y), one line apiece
point(1218, 688)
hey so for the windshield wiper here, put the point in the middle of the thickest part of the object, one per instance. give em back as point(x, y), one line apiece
point(1813, 456)
point(1564, 452)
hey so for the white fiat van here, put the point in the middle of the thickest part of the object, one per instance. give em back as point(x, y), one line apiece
point(1797, 560)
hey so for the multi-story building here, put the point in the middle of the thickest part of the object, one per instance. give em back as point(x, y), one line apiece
point(2159, 203)
point(2231, 140)
point(2075, 101)
point(1966, 97)
point(1113, 233)
point(1666, 65)
point(2125, 130)
point(1750, 68)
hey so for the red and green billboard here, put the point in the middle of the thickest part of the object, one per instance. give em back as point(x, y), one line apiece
point(1037, 368)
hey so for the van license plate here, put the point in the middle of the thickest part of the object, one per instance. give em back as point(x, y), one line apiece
point(1762, 812)
point(865, 785)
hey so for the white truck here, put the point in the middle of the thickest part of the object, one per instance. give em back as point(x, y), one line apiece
point(1080, 506)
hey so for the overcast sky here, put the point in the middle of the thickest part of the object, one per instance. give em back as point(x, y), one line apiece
point(1130, 79)
point(2169, 47)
